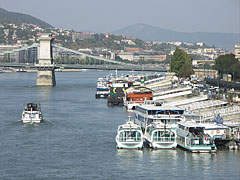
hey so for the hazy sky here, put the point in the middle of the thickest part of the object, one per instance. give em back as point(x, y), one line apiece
point(110, 15)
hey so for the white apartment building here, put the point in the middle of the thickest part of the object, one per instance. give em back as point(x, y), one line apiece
point(237, 51)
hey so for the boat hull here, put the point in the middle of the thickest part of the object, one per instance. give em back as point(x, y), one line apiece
point(161, 145)
point(130, 145)
point(32, 118)
point(101, 95)
point(199, 149)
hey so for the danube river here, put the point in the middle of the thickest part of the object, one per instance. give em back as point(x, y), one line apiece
point(77, 138)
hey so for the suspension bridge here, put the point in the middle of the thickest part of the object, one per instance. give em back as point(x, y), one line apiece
point(46, 66)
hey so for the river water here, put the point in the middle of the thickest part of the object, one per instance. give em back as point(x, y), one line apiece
point(77, 138)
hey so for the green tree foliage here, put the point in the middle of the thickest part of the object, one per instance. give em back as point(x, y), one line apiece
point(228, 64)
point(185, 71)
point(181, 63)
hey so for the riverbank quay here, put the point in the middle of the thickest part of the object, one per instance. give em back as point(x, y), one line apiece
point(199, 101)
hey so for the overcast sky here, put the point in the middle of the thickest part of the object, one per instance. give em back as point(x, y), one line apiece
point(110, 15)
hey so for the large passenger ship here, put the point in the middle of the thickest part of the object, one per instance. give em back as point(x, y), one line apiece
point(146, 114)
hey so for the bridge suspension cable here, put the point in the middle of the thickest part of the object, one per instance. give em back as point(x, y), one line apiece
point(19, 49)
point(91, 56)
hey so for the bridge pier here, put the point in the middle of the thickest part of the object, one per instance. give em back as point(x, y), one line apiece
point(45, 66)
point(46, 78)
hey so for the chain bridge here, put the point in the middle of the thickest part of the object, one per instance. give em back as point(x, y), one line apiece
point(46, 66)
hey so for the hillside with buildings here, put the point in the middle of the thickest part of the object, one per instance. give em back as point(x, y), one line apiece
point(110, 46)
point(153, 33)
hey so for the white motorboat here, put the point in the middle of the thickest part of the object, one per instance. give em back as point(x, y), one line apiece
point(32, 113)
point(160, 137)
point(129, 135)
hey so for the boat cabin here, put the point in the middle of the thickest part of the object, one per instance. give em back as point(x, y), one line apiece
point(32, 106)
point(151, 113)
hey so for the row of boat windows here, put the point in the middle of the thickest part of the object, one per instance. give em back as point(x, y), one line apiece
point(195, 141)
point(130, 135)
point(150, 120)
point(157, 134)
point(156, 112)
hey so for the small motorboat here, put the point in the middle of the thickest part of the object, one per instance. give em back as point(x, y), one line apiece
point(32, 113)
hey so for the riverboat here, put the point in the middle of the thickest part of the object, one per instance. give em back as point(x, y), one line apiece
point(117, 92)
point(136, 95)
point(158, 136)
point(146, 114)
point(32, 113)
point(129, 136)
point(191, 137)
point(102, 88)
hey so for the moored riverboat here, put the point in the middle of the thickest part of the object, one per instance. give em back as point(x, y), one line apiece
point(191, 137)
point(129, 136)
point(103, 88)
point(160, 137)
point(146, 114)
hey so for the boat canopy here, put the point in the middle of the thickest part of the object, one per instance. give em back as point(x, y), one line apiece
point(32, 105)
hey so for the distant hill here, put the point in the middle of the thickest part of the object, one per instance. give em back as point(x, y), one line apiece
point(153, 33)
point(13, 17)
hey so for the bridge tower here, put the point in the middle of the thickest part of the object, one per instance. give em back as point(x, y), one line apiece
point(45, 66)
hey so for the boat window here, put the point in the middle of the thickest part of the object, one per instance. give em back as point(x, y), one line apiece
point(129, 135)
point(166, 112)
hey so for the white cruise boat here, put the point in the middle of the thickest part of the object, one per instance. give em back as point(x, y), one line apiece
point(102, 88)
point(129, 135)
point(32, 113)
point(191, 136)
point(160, 137)
point(146, 114)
